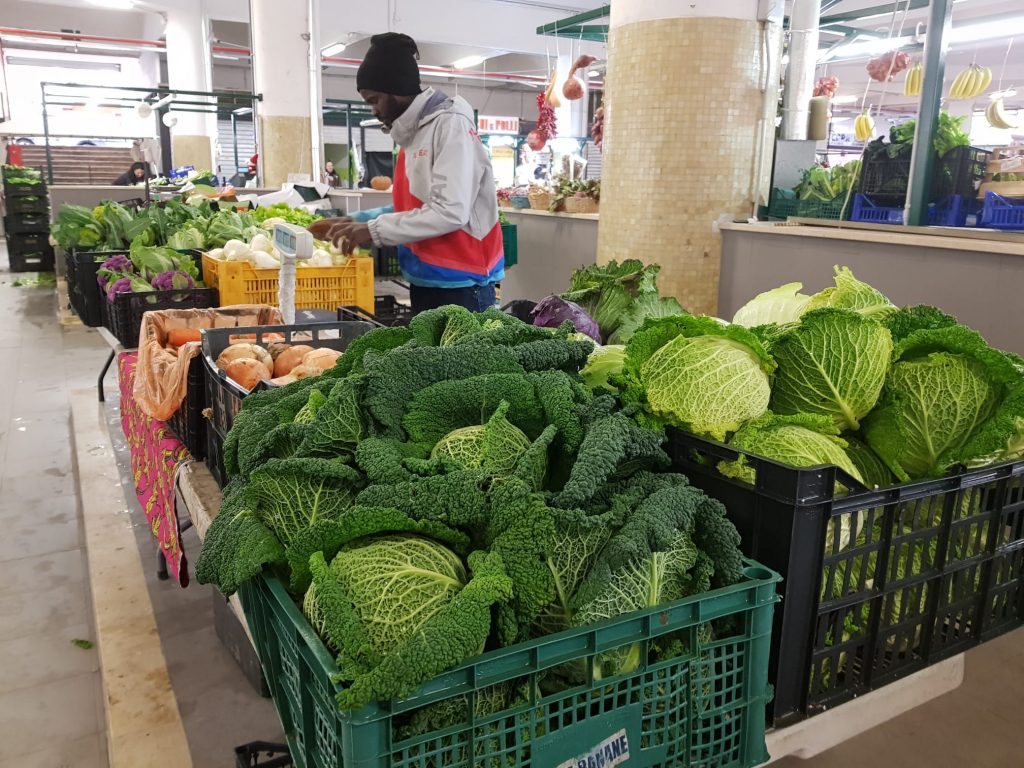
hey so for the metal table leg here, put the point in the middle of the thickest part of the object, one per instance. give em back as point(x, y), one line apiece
point(103, 374)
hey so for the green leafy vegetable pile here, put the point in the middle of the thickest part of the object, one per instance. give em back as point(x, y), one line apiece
point(454, 486)
point(949, 136)
point(179, 223)
point(842, 377)
point(827, 184)
point(20, 174)
point(620, 297)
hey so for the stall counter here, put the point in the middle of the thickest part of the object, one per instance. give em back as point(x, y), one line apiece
point(974, 275)
point(551, 246)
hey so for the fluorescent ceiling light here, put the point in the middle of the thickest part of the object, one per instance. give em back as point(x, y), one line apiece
point(332, 50)
point(114, 5)
point(226, 56)
point(593, 73)
point(468, 61)
point(25, 61)
point(866, 46)
point(987, 30)
point(851, 99)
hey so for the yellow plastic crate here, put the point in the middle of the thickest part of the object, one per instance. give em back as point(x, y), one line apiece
point(238, 282)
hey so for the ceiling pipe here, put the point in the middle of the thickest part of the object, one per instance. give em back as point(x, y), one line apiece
point(233, 50)
point(803, 59)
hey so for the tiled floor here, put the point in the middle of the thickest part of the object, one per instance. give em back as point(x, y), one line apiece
point(50, 691)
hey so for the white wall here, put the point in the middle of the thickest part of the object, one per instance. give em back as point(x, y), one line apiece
point(23, 83)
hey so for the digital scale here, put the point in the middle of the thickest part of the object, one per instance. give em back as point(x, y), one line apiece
point(293, 243)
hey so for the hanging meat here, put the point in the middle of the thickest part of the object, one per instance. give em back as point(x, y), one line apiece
point(546, 126)
point(573, 88)
point(888, 65)
point(826, 86)
point(597, 131)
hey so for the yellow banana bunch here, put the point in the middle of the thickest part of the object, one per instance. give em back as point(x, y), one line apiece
point(970, 83)
point(997, 117)
point(864, 127)
point(915, 76)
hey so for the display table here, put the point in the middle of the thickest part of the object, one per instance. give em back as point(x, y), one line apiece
point(200, 496)
point(974, 275)
point(351, 200)
point(551, 247)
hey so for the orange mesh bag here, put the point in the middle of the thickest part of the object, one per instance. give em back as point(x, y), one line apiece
point(169, 339)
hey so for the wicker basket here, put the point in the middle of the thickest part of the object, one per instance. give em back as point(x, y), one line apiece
point(580, 205)
point(540, 201)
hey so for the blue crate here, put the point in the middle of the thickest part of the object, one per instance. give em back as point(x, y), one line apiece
point(998, 212)
point(949, 212)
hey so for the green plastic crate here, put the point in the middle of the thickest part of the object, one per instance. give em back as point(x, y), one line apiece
point(705, 707)
point(511, 244)
point(783, 206)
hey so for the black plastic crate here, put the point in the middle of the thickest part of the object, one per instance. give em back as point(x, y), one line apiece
point(959, 172)
point(123, 316)
point(385, 261)
point(215, 455)
point(783, 204)
point(224, 397)
point(928, 569)
point(87, 298)
point(18, 223)
point(38, 260)
point(28, 204)
point(19, 189)
point(188, 422)
point(387, 312)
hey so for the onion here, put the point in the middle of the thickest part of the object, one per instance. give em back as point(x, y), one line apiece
point(276, 348)
point(321, 359)
point(243, 350)
point(246, 372)
point(304, 372)
point(573, 89)
point(290, 358)
point(283, 381)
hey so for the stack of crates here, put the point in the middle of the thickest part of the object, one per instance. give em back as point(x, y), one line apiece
point(27, 220)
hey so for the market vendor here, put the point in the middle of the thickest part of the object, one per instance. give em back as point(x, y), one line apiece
point(445, 214)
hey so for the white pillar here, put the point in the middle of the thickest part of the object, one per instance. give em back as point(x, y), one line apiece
point(188, 68)
point(286, 72)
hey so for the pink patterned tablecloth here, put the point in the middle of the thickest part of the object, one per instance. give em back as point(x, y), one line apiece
point(156, 457)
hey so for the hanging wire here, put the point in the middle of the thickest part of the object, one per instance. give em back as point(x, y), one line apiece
point(1006, 58)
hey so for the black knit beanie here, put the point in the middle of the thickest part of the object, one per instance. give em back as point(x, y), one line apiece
point(390, 66)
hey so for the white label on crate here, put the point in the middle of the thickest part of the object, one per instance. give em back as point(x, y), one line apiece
point(1011, 164)
point(611, 752)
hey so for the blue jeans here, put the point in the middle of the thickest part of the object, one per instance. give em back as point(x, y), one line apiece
point(475, 298)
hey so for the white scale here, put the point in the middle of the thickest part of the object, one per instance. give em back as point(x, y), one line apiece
point(293, 243)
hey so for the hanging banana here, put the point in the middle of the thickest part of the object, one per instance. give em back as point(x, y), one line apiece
point(864, 127)
point(915, 76)
point(970, 83)
point(997, 116)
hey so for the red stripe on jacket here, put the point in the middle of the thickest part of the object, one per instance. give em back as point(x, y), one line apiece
point(457, 250)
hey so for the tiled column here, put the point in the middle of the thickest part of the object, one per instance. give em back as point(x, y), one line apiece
point(683, 129)
point(283, 41)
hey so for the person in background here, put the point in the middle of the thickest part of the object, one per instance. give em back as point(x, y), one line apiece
point(331, 177)
point(137, 174)
point(253, 162)
point(445, 214)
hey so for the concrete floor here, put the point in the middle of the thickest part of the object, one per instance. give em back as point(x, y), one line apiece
point(51, 698)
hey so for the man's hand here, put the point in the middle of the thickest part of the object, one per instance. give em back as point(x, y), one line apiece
point(349, 235)
point(321, 227)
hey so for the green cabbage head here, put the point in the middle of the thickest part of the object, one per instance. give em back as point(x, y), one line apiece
point(604, 362)
point(780, 305)
point(833, 363)
point(938, 398)
point(495, 446)
point(704, 376)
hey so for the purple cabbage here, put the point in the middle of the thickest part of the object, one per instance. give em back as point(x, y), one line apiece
point(172, 281)
point(121, 285)
point(116, 264)
point(554, 310)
